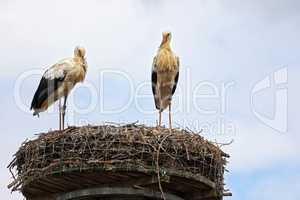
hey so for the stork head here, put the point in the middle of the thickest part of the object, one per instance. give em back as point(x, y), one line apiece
point(166, 38)
point(79, 52)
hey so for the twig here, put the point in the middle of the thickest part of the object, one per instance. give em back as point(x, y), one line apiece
point(157, 166)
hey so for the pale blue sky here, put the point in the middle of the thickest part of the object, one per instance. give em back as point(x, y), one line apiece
point(220, 42)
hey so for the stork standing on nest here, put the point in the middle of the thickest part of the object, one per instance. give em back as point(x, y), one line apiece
point(57, 82)
point(165, 73)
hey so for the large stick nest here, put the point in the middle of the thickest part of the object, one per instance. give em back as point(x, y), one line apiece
point(150, 147)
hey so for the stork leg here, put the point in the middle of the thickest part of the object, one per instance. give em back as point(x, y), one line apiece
point(159, 119)
point(170, 117)
point(64, 112)
point(60, 114)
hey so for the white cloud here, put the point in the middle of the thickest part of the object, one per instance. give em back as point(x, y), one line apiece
point(259, 148)
point(277, 188)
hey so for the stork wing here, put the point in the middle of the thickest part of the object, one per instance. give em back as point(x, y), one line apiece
point(50, 82)
point(176, 77)
point(154, 82)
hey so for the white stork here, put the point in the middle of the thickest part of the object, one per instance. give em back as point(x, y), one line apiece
point(165, 74)
point(57, 82)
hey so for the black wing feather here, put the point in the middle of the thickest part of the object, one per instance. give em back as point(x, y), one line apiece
point(175, 83)
point(45, 88)
point(154, 82)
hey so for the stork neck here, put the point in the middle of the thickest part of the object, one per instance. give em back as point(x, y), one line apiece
point(84, 64)
point(79, 58)
point(82, 61)
point(165, 45)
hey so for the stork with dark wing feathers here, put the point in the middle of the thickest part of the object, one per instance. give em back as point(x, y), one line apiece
point(57, 82)
point(165, 74)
